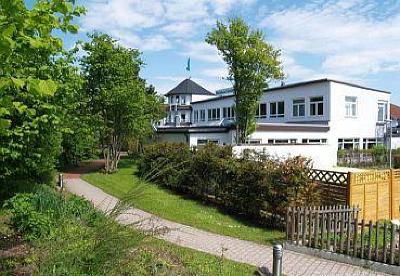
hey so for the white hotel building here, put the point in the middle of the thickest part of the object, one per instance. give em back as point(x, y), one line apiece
point(312, 118)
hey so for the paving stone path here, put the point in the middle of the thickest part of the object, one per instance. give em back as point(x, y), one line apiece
point(231, 248)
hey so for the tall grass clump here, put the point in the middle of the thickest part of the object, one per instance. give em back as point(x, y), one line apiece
point(69, 235)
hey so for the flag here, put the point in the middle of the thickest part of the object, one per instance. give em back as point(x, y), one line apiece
point(188, 65)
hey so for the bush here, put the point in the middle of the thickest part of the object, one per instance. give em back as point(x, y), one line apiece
point(254, 185)
point(34, 214)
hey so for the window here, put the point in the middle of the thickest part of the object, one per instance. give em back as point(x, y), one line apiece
point(261, 111)
point(253, 141)
point(369, 143)
point(183, 99)
point(314, 141)
point(316, 106)
point(382, 111)
point(214, 114)
point(299, 108)
point(195, 116)
point(282, 141)
point(351, 106)
point(277, 109)
point(202, 115)
point(228, 113)
point(183, 117)
point(177, 99)
point(349, 143)
point(202, 142)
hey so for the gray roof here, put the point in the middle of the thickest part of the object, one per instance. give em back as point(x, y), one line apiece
point(189, 87)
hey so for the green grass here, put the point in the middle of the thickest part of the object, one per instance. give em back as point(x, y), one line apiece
point(82, 241)
point(168, 205)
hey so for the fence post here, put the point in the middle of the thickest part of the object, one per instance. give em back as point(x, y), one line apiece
point(277, 260)
point(61, 180)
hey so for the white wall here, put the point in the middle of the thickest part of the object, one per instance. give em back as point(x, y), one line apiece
point(201, 97)
point(395, 142)
point(287, 95)
point(364, 125)
point(323, 156)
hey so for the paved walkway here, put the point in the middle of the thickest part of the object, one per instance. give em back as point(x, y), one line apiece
point(231, 248)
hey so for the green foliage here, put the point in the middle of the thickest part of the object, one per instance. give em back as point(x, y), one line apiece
point(77, 126)
point(252, 63)
point(117, 95)
point(255, 185)
point(30, 135)
point(375, 157)
point(78, 240)
point(34, 214)
point(379, 152)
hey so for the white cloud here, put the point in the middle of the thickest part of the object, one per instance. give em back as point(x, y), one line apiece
point(179, 29)
point(354, 37)
point(148, 24)
point(201, 51)
point(216, 72)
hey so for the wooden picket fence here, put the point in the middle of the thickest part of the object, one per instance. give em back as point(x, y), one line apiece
point(338, 229)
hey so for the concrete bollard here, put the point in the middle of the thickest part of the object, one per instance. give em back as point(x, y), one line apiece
point(277, 260)
point(61, 180)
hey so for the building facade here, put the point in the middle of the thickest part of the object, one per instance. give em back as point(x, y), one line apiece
point(327, 112)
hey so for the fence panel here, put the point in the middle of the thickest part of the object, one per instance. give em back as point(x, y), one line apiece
point(333, 185)
point(395, 194)
point(339, 230)
point(376, 192)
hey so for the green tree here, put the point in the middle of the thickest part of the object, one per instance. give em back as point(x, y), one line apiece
point(79, 137)
point(29, 119)
point(117, 95)
point(252, 62)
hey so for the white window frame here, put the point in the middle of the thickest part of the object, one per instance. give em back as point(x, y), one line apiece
point(317, 104)
point(296, 103)
point(372, 142)
point(228, 113)
point(282, 141)
point(354, 141)
point(202, 115)
point(205, 141)
point(351, 106)
point(277, 114)
point(215, 114)
point(195, 116)
point(385, 111)
point(260, 115)
point(314, 141)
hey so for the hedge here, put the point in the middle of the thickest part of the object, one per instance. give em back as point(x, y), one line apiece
point(255, 185)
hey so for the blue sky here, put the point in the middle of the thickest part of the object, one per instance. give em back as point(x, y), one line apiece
point(351, 40)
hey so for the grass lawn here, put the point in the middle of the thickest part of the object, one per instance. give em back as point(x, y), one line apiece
point(166, 204)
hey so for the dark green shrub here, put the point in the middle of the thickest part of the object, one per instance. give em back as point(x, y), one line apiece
point(396, 161)
point(26, 218)
point(254, 185)
point(166, 164)
point(379, 153)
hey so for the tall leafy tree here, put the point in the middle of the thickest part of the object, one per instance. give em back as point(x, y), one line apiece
point(118, 97)
point(252, 62)
point(78, 129)
point(29, 118)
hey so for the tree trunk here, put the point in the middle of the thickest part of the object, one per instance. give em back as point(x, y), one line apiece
point(112, 155)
